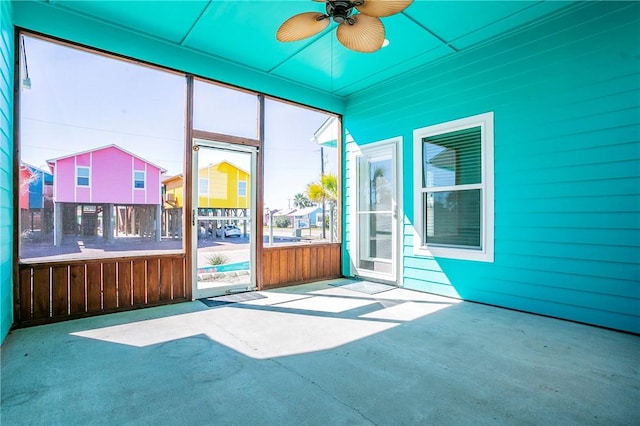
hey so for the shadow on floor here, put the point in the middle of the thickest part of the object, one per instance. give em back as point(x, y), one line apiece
point(320, 354)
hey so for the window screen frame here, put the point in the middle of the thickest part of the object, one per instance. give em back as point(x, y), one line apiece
point(486, 251)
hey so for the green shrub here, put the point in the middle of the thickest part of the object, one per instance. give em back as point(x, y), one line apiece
point(217, 259)
point(283, 222)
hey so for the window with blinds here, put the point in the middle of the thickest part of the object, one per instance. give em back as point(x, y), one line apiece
point(454, 200)
point(452, 183)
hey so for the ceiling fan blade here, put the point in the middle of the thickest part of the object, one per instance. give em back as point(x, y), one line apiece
point(366, 34)
point(382, 8)
point(302, 26)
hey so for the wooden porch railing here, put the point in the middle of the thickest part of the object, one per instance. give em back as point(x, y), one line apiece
point(56, 291)
point(289, 265)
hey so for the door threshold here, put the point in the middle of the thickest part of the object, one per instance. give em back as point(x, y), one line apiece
point(228, 299)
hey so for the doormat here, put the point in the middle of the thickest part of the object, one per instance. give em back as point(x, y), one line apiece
point(212, 302)
point(367, 287)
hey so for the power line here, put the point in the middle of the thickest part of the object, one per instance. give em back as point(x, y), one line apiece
point(101, 130)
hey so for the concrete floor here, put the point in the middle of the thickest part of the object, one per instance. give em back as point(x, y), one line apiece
point(321, 355)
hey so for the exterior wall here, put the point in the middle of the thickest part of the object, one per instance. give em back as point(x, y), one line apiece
point(174, 186)
point(6, 169)
point(25, 176)
point(307, 215)
point(40, 186)
point(566, 99)
point(36, 190)
point(111, 176)
point(152, 186)
point(47, 191)
point(64, 182)
point(111, 179)
point(223, 187)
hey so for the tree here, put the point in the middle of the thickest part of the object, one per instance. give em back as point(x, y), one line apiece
point(301, 201)
point(283, 222)
point(378, 175)
point(324, 190)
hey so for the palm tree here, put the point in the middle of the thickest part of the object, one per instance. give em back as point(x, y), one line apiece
point(378, 173)
point(301, 201)
point(324, 190)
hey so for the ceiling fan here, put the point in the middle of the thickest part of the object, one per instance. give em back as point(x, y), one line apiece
point(362, 31)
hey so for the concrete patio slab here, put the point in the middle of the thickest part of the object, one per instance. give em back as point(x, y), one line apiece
point(321, 355)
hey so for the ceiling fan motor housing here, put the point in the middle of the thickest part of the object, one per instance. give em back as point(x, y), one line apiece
point(340, 10)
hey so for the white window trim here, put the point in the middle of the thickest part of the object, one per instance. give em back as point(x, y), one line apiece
point(144, 180)
point(88, 177)
point(486, 253)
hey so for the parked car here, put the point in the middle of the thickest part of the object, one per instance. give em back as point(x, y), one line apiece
point(229, 231)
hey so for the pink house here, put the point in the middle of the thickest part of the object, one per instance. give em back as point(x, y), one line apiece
point(108, 191)
point(105, 175)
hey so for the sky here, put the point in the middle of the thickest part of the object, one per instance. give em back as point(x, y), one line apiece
point(80, 101)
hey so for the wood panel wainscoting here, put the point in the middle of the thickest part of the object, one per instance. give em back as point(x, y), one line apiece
point(62, 290)
point(289, 265)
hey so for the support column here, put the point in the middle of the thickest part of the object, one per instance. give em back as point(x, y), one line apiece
point(107, 223)
point(158, 223)
point(57, 224)
point(165, 223)
point(133, 219)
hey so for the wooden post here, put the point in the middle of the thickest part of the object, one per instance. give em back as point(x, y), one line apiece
point(107, 223)
point(133, 220)
point(57, 224)
point(158, 223)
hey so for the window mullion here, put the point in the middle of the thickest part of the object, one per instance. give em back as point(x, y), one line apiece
point(453, 188)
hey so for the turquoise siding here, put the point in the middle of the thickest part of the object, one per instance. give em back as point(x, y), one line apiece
point(6, 169)
point(566, 98)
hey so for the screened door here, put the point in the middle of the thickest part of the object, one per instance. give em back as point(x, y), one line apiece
point(376, 212)
point(223, 219)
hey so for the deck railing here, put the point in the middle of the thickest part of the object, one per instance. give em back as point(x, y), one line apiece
point(61, 290)
point(288, 265)
point(56, 291)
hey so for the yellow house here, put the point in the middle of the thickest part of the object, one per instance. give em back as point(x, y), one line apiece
point(172, 202)
point(223, 186)
point(173, 192)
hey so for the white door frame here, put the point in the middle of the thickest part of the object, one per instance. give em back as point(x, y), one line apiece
point(393, 145)
point(231, 288)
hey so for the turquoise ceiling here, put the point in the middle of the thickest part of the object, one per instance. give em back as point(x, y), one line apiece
point(242, 32)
